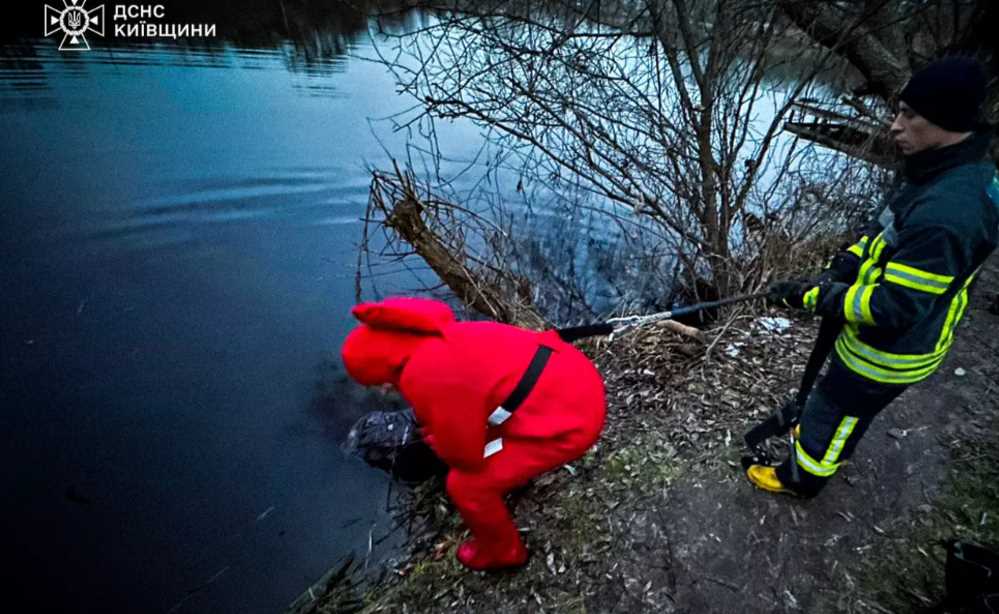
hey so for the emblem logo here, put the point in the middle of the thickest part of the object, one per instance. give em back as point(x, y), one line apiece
point(74, 21)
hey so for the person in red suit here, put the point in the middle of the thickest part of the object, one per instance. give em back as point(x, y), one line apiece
point(499, 404)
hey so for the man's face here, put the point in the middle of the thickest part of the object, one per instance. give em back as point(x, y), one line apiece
point(914, 133)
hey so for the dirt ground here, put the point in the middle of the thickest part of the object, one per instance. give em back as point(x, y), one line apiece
point(659, 518)
point(776, 555)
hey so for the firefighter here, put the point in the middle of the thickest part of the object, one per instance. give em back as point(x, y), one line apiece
point(902, 288)
point(499, 404)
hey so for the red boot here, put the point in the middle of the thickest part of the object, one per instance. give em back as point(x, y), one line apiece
point(479, 557)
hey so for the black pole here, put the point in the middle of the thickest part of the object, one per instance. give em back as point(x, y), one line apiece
point(682, 311)
point(828, 331)
point(574, 333)
point(788, 415)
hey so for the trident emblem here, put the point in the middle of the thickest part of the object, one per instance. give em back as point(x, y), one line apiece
point(74, 21)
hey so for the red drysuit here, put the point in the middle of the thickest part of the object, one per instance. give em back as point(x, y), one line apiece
point(455, 375)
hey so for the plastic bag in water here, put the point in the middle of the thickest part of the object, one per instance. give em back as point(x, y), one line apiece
point(390, 441)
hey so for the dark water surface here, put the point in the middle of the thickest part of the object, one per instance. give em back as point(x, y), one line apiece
point(178, 240)
point(178, 233)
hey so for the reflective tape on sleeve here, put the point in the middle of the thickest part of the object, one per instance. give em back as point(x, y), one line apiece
point(917, 279)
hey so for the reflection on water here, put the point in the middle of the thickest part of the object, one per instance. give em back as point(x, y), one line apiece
point(310, 39)
point(179, 239)
point(179, 232)
point(25, 78)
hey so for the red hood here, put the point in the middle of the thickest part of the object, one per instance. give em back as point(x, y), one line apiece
point(375, 352)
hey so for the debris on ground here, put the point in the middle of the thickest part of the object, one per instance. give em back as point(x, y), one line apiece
point(658, 517)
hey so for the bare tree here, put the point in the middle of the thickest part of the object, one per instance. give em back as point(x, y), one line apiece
point(894, 38)
point(668, 110)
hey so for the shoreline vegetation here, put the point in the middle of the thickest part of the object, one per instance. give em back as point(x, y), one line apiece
point(658, 517)
point(643, 521)
point(654, 110)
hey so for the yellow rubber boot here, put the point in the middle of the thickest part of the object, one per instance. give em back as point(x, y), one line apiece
point(765, 478)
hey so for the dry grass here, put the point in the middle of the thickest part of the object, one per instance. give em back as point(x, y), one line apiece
point(671, 403)
point(602, 540)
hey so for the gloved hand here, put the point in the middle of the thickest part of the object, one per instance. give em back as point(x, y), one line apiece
point(842, 269)
point(789, 293)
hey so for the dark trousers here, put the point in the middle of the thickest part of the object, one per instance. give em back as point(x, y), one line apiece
point(836, 415)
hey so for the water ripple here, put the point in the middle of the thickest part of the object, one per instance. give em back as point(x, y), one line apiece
point(303, 197)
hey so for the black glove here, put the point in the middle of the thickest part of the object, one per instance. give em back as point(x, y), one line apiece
point(842, 269)
point(788, 293)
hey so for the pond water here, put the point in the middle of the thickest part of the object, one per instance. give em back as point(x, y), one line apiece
point(179, 242)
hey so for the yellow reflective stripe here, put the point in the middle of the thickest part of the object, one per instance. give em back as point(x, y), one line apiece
point(957, 306)
point(872, 275)
point(869, 371)
point(851, 307)
point(857, 304)
point(917, 279)
point(960, 314)
point(947, 332)
point(864, 243)
point(868, 272)
point(960, 311)
point(885, 376)
point(878, 247)
point(943, 280)
point(864, 270)
point(875, 242)
point(811, 465)
point(839, 440)
point(908, 282)
point(857, 249)
point(811, 298)
point(865, 305)
point(886, 359)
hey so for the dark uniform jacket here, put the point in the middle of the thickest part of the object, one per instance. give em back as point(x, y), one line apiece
point(908, 288)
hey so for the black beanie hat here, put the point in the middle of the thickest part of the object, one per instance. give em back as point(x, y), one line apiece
point(948, 92)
